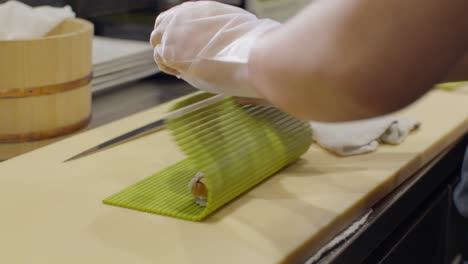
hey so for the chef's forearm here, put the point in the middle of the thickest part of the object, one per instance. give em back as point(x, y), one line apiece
point(345, 60)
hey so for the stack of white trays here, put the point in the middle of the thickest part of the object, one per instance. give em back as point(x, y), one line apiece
point(118, 61)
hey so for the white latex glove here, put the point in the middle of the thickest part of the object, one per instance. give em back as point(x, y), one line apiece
point(207, 44)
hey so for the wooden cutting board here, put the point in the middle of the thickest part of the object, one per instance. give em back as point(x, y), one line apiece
point(51, 212)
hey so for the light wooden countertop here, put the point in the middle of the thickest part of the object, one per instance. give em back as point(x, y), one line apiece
point(52, 211)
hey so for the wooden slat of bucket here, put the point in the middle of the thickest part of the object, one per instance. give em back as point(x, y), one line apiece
point(45, 90)
point(41, 113)
point(58, 58)
point(35, 66)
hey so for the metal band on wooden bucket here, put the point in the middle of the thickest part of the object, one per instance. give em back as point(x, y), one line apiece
point(46, 89)
point(43, 135)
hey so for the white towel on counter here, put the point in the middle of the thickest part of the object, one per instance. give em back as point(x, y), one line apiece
point(359, 137)
point(20, 21)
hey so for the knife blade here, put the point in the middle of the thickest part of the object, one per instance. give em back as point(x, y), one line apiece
point(146, 129)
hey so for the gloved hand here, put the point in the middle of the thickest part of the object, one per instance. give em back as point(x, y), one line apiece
point(207, 44)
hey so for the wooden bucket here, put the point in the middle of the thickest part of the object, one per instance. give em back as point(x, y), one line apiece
point(45, 87)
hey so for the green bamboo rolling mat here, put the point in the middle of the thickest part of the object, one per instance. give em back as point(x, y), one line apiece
point(236, 147)
point(451, 86)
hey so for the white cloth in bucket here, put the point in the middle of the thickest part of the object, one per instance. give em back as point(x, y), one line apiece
point(20, 21)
